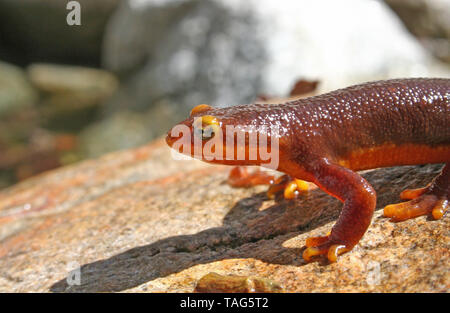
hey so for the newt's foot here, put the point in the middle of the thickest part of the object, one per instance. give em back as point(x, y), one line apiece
point(324, 245)
point(240, 178)
point(291, 187)
point(424, 204)
point(431, 200)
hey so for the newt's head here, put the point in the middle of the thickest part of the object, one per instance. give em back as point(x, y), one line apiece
point(233, 136)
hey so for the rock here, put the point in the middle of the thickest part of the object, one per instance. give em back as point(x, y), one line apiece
point(213, 283)
point(225, 52)
point(68, 94)
point(125, 128)
point(18, 118)
point(71, 95)
point(56, 79)
point(428, 20)
point(16, 93)
point(41, 151)
point(138, 221)
point(206, 54)
point(122, 130)
point(37, 31)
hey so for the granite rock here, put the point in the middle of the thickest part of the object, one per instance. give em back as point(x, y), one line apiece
point(139, 221)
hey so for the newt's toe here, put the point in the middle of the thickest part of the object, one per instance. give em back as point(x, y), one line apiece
point(291, 187)
point(410, 194)
point(239, 177)
point(316, 241)
point(426, 204)
point(439, 209)
point(323, 245)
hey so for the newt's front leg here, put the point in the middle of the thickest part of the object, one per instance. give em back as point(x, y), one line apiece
point(359, 204)
point(239, 177)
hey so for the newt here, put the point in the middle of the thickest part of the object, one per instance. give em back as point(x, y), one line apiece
point(326, 139)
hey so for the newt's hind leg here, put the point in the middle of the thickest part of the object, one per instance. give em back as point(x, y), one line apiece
point(431, 200)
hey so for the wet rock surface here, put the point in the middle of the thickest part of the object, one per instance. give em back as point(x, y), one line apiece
point(139, 221)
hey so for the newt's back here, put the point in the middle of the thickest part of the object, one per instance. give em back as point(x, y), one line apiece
point(382, 123)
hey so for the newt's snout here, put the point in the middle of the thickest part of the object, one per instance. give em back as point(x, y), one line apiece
point(180, 138)
point(170, 140)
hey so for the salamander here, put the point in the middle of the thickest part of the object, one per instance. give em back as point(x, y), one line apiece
point(326, 139)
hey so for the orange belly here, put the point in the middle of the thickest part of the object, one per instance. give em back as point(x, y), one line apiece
point(391, 155)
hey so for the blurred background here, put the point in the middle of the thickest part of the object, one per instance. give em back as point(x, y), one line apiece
point(133, 68)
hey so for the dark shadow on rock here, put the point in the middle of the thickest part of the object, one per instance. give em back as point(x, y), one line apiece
point(248, 231)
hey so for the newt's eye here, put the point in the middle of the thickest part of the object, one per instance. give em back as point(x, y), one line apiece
point(206, 127)
point(201, 108)
point(205, 133)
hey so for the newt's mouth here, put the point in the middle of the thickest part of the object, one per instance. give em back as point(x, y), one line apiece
point(179, 140)
point(171, 140)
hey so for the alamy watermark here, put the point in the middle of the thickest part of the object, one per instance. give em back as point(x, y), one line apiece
point(373, 269)
point(74, 16)
point(74, 274)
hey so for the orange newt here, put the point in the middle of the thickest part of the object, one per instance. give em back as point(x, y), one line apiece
point(327, 138)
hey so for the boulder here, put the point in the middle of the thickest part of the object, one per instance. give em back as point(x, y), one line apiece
point(139, 221)
point(18, 117)
point(16, 92)
point(71, 95)
point(57, 79)
point(121, 130)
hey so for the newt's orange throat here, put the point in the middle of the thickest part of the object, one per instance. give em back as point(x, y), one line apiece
point(324, 139)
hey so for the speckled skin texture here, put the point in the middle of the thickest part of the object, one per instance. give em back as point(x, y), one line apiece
point(362, 116)
point(323, 139)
